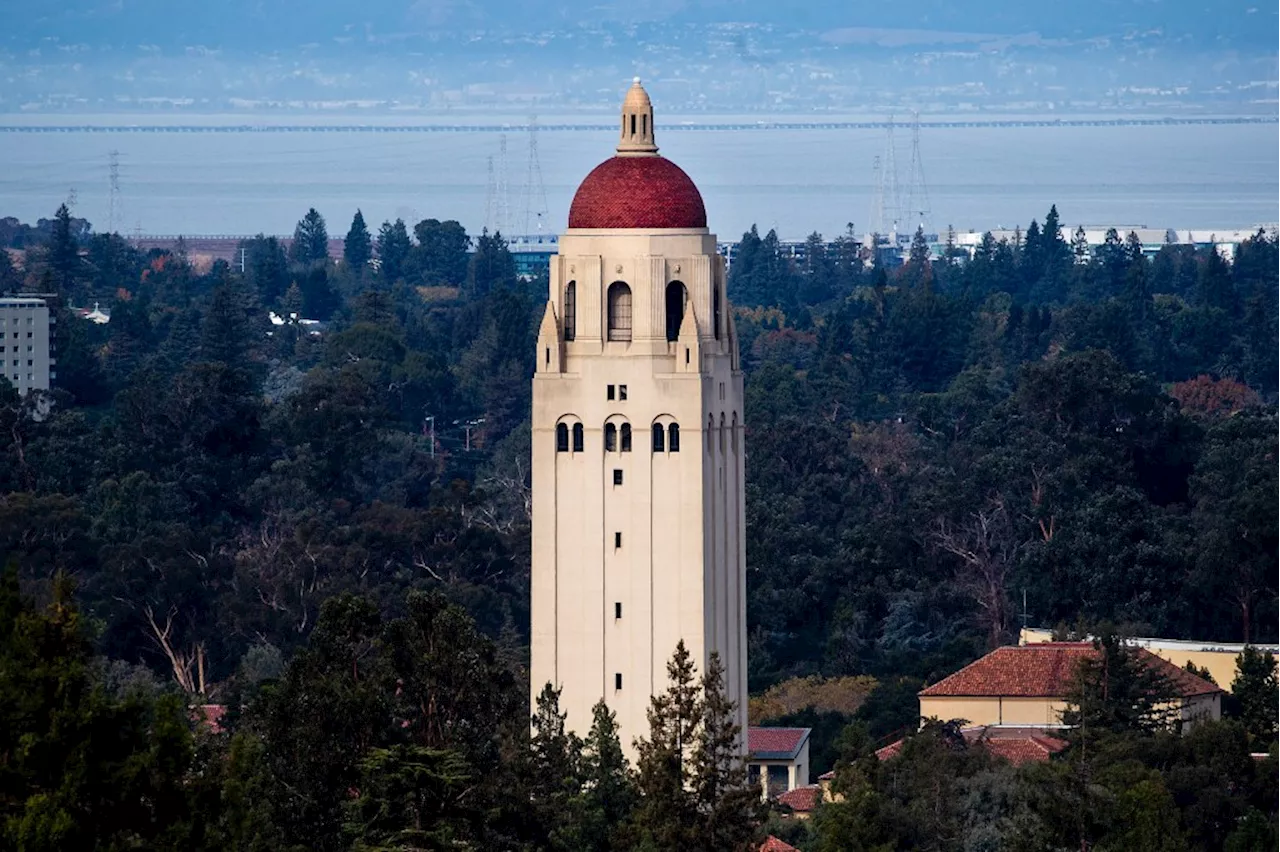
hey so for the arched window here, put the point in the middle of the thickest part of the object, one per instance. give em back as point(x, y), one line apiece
point(711, 432)
point(619, 312)
point(562, 438)
point(715, 310)
point(571, 310)
point(626, 437)
point(733, 433)
point(659, 442)
point(577, 437)
point(676, 296)
point(610, 438)
point(722, 431)
point(673, 433)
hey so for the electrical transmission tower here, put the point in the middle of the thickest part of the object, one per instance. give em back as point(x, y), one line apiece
point(491, 200)
point(535, 193)
point(917, 189)
point(501, 219)
point(891, 194)
point(113, 199)
point(877, 198)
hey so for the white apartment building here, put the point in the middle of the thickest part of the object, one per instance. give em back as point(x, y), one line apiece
point(26, 348)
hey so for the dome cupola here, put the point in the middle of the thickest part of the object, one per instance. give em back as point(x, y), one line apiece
point(637, 188)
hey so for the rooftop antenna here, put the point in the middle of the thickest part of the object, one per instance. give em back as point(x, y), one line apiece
point(535, 192)
point(917, 189)
point(113, 206)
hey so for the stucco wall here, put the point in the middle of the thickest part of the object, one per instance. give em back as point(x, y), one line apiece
point(680, 571)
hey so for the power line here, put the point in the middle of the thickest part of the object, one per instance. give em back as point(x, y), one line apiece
point(535, 193)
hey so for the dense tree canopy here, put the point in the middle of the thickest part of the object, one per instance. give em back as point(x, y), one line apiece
point(326, 528)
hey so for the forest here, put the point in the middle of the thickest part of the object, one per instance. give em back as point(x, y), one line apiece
point(267, 582)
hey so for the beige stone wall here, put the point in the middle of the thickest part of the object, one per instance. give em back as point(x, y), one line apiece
point(994, 710)
point(680, 570)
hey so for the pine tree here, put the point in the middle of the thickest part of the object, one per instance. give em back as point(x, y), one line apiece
point(666, 817)
point(1254, 688)
point(1080, 246)
point(728, 803)
point(358, 248)
point(64, 253)
point(310, 240)
point(609, 796)
point(10, 279)
point(491, 266)
point(1117, 690)
point(224, 331)
point(394, 246)
point(555, 758)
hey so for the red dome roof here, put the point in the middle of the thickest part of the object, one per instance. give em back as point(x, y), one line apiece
point(637, 192)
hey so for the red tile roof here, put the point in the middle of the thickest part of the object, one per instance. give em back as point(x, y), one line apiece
point(773, 844)
point(209, 716)
point(784, 742)
point(1045, 670)
point(1017, 747)
point(637, 192)
point(801, 799)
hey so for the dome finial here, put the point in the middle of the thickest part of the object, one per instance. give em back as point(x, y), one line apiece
point(637, 123)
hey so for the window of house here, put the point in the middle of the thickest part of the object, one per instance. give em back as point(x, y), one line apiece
point(577, 437)
point(562, 438)
point(622, 393)
point(610, 438)
point(571, 310)
point(619, 312)
point(676, 296)
point(674, 437)
point(608, 392)
point(617, 476)
point(659, 439)
point(617, 537)
point(626, 437)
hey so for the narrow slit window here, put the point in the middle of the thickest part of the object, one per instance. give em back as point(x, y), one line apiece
point(715, 312)
point(571, 310)
point(608, 392)
point(633, 124)
point(674, 437)
point(548, 356)
point(577, 437)
point(644, 125)
point(659, 439)
point(617, 680)
point(617, 540)
point(617, 609)
point(626, 437)
point(562, 438)
point(622, 393)
point(617, 476)
point(610, 438)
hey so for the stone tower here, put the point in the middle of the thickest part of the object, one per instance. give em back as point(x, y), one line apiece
point(637, 444)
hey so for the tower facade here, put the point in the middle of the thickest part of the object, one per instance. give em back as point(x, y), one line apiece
point(637, 444)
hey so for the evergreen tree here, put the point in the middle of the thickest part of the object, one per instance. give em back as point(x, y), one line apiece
point(729, 804)
point(1053, 247)
point(394, 246)
point(224, 332)
point(1214, 285)
point(64, 253)
point(666, 817)
point(266, 269)
point(310, 240)
point(358, 247)
point(441, 255)
point(491, 266)
point(82, 769)
point(10, 279)
point(1080, 246)
point(608, 794)
point(1117, 691)
point(554, 780)
point(1255, 689)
